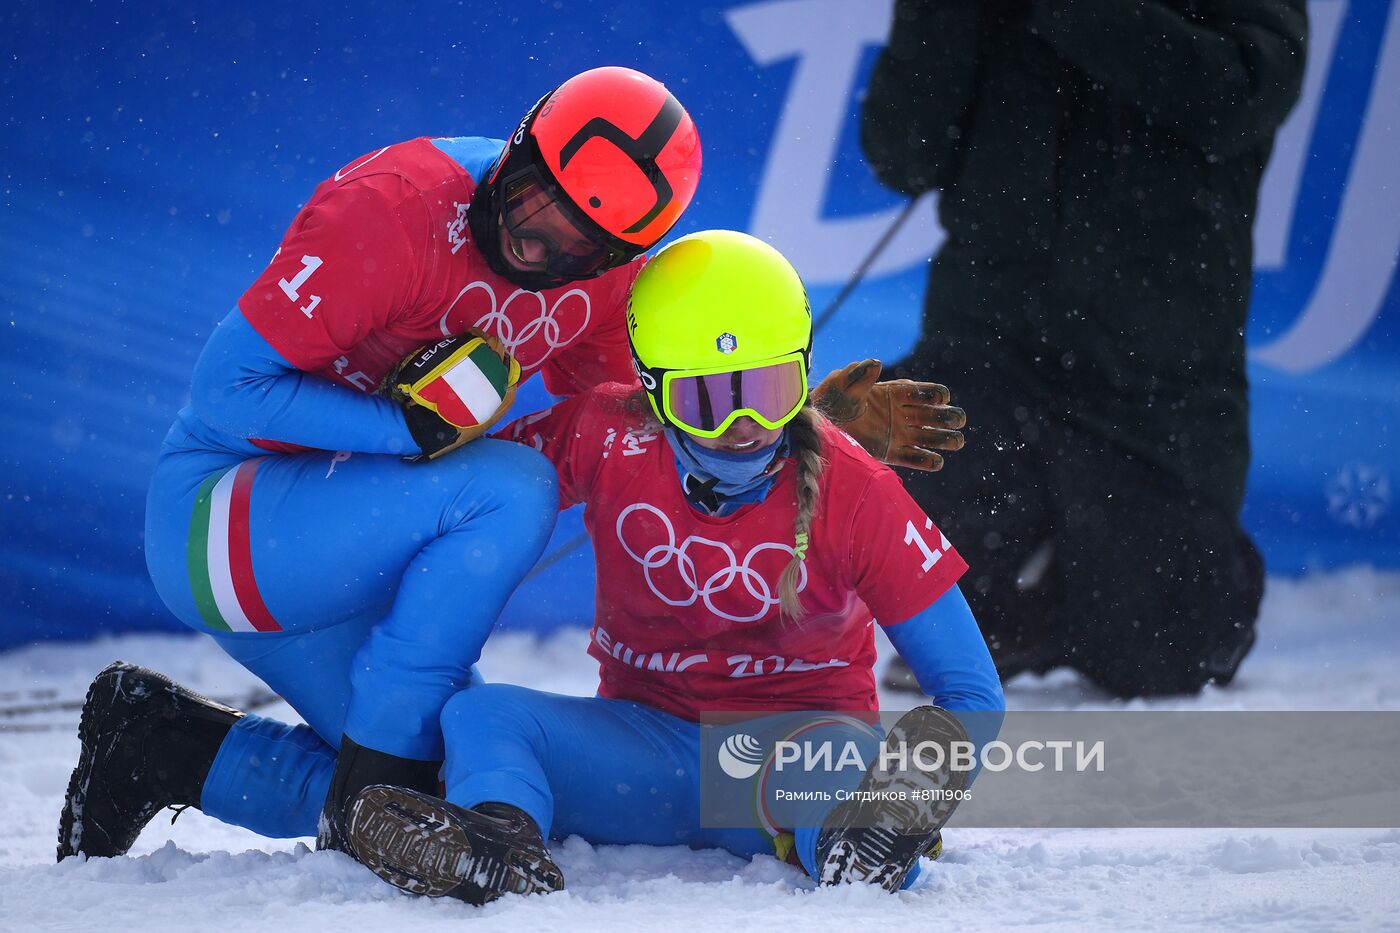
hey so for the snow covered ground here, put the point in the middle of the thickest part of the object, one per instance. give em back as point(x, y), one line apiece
point(1326, 642)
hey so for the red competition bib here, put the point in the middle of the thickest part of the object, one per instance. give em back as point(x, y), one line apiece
point(687, 616)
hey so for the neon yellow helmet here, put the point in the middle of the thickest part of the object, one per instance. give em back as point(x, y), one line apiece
point(721, 328)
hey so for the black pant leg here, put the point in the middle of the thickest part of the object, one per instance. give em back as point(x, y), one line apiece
point(990, 501)
point(1160, 587)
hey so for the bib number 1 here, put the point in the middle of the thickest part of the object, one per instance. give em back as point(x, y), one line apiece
point(292, 287)
point(912, 536)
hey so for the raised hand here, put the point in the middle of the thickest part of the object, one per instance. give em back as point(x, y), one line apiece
point(900, 422)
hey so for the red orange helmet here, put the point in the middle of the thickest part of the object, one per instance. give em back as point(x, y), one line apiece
point(598, 171)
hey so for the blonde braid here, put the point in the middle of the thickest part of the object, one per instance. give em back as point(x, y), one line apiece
point(806, 449)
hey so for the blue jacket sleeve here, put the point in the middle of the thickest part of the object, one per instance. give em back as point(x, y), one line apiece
point(949, 658)
point(244, 387)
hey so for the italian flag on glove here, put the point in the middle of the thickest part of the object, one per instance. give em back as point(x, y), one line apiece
point(454, 390)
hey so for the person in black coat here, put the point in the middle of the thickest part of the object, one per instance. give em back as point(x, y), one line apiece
point(1098, 166)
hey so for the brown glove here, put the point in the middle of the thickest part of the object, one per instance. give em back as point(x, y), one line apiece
point(900, 422)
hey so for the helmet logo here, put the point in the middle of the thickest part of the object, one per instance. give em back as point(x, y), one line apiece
point(642, 151)
point(726, 343)
point(519, 137)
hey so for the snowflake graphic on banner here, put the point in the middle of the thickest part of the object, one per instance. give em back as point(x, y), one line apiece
point(1359, 495)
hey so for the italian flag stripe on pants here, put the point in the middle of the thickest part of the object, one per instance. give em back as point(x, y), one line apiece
point(221, 554)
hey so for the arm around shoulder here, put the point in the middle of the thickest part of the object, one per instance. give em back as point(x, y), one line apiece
point(243, 386)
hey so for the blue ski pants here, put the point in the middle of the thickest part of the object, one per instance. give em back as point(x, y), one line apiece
point(381, 580)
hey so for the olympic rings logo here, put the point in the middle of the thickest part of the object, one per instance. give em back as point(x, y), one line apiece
point(655, 557)
point(535, 341)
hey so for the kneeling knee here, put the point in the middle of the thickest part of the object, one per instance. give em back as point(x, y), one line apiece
point(500, 475)
point(526, 477)
point(485, 706)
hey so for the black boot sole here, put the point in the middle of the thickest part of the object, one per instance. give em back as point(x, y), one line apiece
point(895, 817)
point(427, 846)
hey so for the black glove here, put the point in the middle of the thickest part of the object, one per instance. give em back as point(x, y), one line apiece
point(433, 436)
point(359, 767)
point(429, 383)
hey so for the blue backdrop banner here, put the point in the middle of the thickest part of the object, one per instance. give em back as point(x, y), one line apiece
point(153, 154)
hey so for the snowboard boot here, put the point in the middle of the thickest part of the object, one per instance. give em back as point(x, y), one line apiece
point(146, 744)
point(426, 845)
point(897, 814)
point(358, 767)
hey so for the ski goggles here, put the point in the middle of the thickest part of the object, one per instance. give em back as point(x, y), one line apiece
point(706, 402)
point(531, 210)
